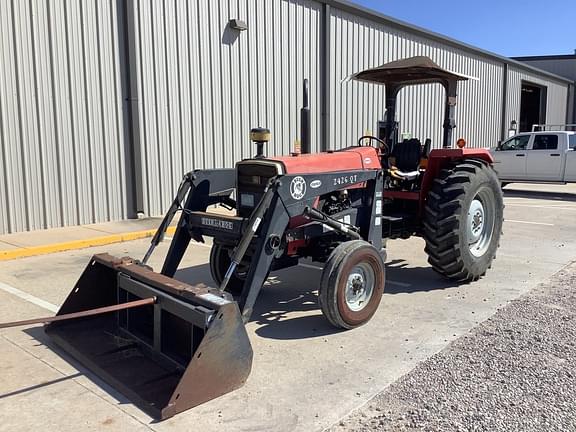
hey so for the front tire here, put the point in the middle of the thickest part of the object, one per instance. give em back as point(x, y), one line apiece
point(463, 220)
point(220, 260)
point(351, 284)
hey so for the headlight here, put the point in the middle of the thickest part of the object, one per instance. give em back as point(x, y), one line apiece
point(247, 200)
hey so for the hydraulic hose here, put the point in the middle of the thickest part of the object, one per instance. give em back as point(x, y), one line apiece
point(253, 224)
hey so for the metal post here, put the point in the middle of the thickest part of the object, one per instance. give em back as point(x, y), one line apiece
point(504, 123)
point(570, 114)
point(325, 78)
point(391, 133)
point(305, 134)
point(129, 82)
point(449, 112)
point(543, 104)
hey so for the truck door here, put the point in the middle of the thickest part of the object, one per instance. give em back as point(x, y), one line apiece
point(511, 158)
point(570, 170)
point(545, 158)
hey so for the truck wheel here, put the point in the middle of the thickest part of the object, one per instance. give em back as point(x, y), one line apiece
point(351, 284)
point(463, 220)
point(219, 263)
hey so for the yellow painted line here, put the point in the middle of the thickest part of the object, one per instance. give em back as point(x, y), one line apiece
point(78, 244)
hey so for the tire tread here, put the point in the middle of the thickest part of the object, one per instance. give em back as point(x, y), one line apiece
point(442, 215)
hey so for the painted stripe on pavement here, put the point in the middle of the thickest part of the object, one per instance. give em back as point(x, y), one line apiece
point(528, 222)
point(391, 282)
point(28, 297)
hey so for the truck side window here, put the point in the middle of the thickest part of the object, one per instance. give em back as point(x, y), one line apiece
point(545, 142)
point(516, 143)
point(572, 141)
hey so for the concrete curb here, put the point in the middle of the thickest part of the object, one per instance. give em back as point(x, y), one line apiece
point(78, 244)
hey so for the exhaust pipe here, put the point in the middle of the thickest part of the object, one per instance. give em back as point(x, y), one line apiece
point(305, 133)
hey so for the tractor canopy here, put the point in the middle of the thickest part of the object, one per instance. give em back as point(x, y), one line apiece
point(409, 71)
point(413, 71)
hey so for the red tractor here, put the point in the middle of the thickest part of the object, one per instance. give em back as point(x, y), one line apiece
point(340, 207)
point(169, 346)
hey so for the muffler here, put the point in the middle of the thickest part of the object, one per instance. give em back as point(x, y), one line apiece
point(183, 348)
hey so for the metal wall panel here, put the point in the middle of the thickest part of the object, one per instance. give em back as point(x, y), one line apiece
point(358, 43)
point(563, 67)
point(203, 85)
point(557, 96)
point(61, 114)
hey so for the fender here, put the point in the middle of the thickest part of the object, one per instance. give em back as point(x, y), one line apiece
point(440, 158)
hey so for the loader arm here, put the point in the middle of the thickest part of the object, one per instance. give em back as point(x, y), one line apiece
point(285, 207)
point(205, 188)
point(264, 231)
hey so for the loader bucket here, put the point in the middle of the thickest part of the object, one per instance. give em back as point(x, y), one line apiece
point(187, 348)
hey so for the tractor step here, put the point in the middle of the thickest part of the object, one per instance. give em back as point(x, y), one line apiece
point(392, 219)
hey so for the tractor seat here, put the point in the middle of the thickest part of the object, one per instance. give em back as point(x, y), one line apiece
point(406, 159)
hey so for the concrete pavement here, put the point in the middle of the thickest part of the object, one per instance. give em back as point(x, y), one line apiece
point(42, 242)
point(306, 376)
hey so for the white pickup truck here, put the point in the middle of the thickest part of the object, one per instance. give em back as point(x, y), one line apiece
point(537, 157)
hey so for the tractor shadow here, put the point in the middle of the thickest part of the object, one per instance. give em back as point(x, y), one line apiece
point(38, 334)
point(543, 195)
point(196, 275)
point(287, 306)
point(403, 279)
point(39, 386)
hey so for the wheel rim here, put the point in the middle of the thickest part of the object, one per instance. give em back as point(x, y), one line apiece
point(480, 223)
point(359, 287)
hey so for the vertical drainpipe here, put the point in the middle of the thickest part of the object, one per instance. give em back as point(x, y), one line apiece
point(571, 104)
point(504, 126)
point(325, 78)
point(573, 93)
point(133, 151)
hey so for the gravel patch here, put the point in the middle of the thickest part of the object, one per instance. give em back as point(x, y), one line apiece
point(514, 372)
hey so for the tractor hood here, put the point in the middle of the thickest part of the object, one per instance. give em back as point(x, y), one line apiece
point(413, 70)
point(351, 158)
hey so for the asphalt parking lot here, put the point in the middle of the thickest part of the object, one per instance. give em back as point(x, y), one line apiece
point(306, 375)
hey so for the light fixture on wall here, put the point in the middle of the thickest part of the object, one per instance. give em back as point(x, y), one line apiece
point(513, 128)
point(237, 24)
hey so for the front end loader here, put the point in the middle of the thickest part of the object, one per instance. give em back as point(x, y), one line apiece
point(169, 346)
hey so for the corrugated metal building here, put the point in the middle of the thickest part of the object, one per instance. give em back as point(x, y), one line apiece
point(562, 65)
point(104, 104)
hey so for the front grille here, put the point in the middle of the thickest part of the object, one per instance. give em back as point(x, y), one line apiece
point(253, 176)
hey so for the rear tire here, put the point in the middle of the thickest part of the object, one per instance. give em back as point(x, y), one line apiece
point(463, 220)
point(351, 284)
point(219, 263)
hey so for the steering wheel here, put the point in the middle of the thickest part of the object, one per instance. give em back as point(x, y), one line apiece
point(373, 138)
